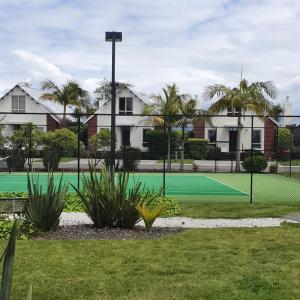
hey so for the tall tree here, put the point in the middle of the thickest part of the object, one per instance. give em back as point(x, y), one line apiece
point(276, 111)
point(164, 111)
point(69, 94)
point(103, 91)
point(187, 115)
point(241, 99)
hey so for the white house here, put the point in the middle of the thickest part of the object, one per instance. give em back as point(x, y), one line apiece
point(131, 125)
point(222, 132)
point(22, 105)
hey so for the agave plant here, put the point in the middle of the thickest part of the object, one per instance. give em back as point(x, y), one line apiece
point(149, 214)
point(44, 209)
point(8, 262)
point(109, 203)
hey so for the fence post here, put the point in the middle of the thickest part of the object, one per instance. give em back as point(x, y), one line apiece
point(164, 157)
point(251, 175)
point(216, 149)
point(30, 148)
point(290, 157)
point(277, 139)
point(78, 151)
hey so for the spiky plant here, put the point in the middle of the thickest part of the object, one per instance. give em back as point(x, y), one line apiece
point(8, 262)
point(150, 214)
point(109, 203)
point(43, 209)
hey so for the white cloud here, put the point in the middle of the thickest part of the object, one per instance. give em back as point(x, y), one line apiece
point(192, 43)
point(40, 69)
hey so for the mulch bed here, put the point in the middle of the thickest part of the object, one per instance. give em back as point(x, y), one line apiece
point(88, 232)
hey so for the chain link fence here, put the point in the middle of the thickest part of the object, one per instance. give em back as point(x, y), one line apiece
point(216, 158)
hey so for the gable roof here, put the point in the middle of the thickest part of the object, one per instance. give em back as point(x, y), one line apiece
point(140, 96)
point(294, 122)
point(50, 107)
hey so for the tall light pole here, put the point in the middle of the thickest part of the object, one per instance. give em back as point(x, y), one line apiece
point(113, 37)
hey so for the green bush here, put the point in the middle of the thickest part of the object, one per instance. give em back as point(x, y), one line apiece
point(157, 143)
point(259, 163)
point(285, 143)
point(131, 157)
point(6, 224)
point(73, 203)
point(16, 160)
point(111, 204)
point(197, 148)
point(51, 159)
point(172, 206)
point(43, 209)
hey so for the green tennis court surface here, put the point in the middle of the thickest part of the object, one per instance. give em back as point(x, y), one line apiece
point(175, 184)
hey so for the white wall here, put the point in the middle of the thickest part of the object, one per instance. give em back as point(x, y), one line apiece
point(31, 106)
point(137, 123)
point(223, 125)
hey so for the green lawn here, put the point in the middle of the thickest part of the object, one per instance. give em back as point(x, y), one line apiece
point(197, 264)
point(62, 160)
point(178, 161)
point(295, 162)
point(237, 210)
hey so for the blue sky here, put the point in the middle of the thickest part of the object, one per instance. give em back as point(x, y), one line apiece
point(192, 43)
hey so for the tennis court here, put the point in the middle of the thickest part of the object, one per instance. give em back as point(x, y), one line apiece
point(175, 184)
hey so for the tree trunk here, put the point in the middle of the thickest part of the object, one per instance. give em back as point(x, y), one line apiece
point(182, 150)
point(238, 146)
point(169, 149)
point(64, 116)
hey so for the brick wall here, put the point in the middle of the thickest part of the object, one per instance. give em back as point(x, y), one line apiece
point(270, 136)
point(199, 129)
point(92, 126)
point(52, 124)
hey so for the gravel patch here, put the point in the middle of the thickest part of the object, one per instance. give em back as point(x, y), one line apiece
point(88, 232)
point(77, 218)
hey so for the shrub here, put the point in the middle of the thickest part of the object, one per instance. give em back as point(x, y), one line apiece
point(73, 203)
point(16, 160)
point(158, 143)
point(197, 148)
point(131, 157)
point(51, 159)
point(285, 139)
point(110, 204)
point(44, 209)
point(249, 152)
point(214, 153)
point(259, 163)
point(172, 206)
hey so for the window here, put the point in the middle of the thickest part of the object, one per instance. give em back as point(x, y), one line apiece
point(256, 139)
point(125, 106)
point(145, 140)
point(212, 136)
point(18, 104)
point(230, 113)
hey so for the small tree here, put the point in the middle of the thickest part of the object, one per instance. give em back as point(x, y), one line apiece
point(285, 141)
point(99, 143)
point(55, 144)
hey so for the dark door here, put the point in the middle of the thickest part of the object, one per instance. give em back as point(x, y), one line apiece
point(232, 140)
point(125, 135)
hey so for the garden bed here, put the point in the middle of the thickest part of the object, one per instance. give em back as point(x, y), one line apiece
point(88, 232)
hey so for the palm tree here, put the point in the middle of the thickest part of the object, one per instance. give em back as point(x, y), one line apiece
point(164, 111)
point(245, 97)
point(69, 94)
point(276, 111)
point(187, 115)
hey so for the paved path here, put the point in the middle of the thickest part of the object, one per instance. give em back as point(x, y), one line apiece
point(76, 218)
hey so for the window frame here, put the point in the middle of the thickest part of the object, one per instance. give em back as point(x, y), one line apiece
point(126, 111)
point(18, 98)
point(256, 145)
point(208, 137)
point(145, 142)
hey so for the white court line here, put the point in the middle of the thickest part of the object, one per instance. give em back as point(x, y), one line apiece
point(227, 185)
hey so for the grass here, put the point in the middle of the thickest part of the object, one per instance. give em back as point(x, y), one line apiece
point(295, 162)
point(197, 264)
point(237, 210)
point(178, 161)
point(62, 160)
